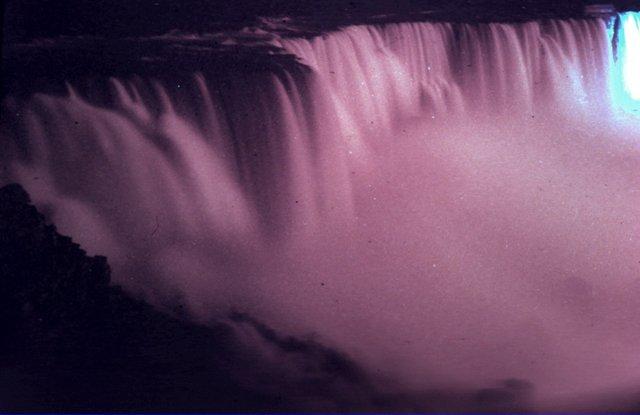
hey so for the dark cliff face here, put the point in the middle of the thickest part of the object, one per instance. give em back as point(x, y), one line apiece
point(47, 280)
point(73, 342)
point(77, 343)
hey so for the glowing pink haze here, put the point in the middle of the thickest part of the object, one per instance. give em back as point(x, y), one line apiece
point(450, 204)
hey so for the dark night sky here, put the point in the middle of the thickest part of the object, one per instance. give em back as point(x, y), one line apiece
point(26, 19)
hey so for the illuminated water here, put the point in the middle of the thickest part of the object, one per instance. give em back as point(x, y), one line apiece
point(625, 77)
point(449, 203)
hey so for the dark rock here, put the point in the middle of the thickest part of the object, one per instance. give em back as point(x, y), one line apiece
point(75, 343)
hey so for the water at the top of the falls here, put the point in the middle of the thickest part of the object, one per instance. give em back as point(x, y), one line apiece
point(404, 66)
point(495, 64)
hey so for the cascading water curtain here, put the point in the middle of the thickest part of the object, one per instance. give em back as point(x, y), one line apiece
point(626, 77)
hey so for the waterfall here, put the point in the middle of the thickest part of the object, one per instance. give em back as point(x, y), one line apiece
point(413, 68)
point(414, 160)
point(293, 134)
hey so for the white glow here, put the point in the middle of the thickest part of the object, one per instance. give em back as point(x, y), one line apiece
point(626, 71)
point(630, 43)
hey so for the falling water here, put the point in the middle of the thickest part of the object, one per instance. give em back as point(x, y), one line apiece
point(450, 203)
